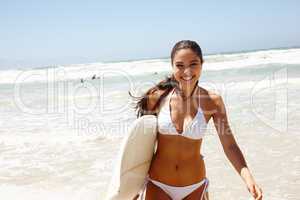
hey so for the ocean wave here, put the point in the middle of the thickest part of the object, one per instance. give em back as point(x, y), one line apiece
point(150, 66)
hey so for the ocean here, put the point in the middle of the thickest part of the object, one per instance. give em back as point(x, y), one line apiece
point(61, 126)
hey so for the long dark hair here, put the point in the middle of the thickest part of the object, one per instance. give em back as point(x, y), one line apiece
point(165, 85)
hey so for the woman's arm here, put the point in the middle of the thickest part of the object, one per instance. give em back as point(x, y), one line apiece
point(230, 147)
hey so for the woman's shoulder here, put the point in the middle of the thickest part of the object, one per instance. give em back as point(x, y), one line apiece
point(206, 93)
point(211, 97)
point(215, 105)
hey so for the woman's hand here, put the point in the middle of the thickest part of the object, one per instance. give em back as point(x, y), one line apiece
point(254, 190)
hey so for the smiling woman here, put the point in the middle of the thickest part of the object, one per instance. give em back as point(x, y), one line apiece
point(183, 110)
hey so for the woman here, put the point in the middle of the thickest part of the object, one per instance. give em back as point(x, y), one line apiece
point(183, 110)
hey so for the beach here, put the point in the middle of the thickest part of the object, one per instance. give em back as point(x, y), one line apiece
point(61, 126)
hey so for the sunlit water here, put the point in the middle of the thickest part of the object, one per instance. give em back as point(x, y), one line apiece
point(59, 137)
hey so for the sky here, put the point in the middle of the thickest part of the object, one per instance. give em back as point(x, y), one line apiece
point(42, 33)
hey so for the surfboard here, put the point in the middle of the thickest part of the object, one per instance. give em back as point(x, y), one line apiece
point(134, 159)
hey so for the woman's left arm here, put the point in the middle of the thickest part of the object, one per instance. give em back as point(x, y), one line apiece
point(230, 147)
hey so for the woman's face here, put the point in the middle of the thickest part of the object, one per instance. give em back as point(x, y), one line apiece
point(187, 67)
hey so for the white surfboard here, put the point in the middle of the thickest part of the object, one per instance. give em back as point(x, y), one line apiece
point(134, 159)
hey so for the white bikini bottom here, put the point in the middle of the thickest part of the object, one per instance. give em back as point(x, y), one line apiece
point(175, 192)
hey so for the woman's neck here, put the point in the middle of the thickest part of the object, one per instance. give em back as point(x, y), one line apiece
point(186, 92)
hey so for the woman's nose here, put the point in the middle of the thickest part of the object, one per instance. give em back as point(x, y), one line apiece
point(187, 71)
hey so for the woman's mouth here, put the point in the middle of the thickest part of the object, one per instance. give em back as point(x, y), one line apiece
point(187, 78)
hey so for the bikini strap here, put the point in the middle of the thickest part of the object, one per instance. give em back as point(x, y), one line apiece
point(206, 183)
point(143, 190)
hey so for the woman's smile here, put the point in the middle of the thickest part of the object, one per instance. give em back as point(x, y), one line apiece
point(187, 78)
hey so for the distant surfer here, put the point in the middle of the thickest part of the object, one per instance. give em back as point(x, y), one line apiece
point(183, 110)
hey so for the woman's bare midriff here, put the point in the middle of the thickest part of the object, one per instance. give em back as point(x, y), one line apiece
point(177, 161)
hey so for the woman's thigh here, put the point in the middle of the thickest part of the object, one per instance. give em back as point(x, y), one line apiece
point(154, 192)
point(197, 194)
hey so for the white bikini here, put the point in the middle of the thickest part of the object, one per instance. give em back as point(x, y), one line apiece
point(195, 130)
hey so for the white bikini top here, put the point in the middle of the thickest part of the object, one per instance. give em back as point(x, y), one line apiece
point(195, 129)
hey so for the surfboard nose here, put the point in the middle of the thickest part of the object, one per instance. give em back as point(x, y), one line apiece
point(134, 159)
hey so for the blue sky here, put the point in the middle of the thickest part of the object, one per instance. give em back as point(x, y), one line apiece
point(39, 33)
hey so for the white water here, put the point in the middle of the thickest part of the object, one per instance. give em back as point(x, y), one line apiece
point(59, 137)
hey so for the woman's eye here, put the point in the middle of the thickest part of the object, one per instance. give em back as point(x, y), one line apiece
point(194, 64)
point(179, 66)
